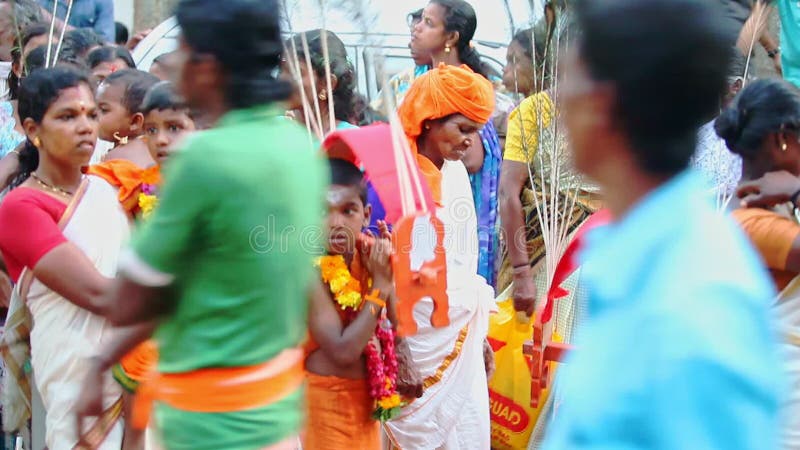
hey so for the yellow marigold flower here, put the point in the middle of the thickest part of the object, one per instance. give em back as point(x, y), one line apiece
point(388, 403)
point(338, 283)
point(349, 299)
point(147, 203)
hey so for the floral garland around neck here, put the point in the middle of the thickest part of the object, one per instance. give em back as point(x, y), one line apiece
point(380, 351)
point(148, 197)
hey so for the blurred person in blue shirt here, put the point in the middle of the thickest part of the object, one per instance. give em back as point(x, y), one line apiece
point(97, 15)
point(678, 351)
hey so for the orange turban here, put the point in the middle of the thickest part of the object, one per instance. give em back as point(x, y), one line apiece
point(439, 93)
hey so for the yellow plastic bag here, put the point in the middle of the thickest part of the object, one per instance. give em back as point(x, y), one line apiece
point(513, 419)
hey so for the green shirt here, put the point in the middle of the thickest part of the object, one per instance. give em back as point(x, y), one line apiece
point(790, 39)
point(231, 235)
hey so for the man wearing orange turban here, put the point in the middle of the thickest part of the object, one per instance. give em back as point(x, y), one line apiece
point(441, 115)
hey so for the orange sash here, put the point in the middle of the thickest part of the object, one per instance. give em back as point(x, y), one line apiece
point(127, 177)
point(217, 390)
point(140, 361)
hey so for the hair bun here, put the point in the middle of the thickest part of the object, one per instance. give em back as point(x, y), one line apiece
point(730, 124)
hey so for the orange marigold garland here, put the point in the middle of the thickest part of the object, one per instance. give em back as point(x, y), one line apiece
point(380, 352)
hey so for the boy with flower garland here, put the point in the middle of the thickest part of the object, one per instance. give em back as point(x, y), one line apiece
point(351, 366)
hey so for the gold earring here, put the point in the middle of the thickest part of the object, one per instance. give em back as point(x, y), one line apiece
point(784, 147)
point(120, 140)
point(323, 95)
point(37, 142)
point(447, 48)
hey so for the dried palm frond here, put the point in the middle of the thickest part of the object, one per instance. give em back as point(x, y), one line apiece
point(63, 30)
point(753, 30)
point(313, 122)
point(556, 185)
point(52, 31)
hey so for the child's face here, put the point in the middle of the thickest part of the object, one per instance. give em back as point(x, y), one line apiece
point(164, 129)
point(103, 70)
point(347, 216)
point(113, 115)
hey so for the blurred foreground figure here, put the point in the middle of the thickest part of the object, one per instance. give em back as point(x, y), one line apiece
point(217, 265)
point(677, 351)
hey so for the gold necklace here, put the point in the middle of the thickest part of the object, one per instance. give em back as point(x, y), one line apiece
point(49, 186)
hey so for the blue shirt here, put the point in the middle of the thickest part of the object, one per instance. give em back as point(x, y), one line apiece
point(95, 14)
point(677, 351)
point(790, 39)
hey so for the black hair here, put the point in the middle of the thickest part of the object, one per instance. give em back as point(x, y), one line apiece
point(459, 16)
point(345, 173)
point(738, 63)
point(414, 16)
point(136, 83)
point(78, 42)
point(36, 59)
point(245, 38)
point(534, 38)
point(24, 13)
point(35, 30)
point(340, 66)
point(768, 105)
point(163, 96)
point(31, 31)
point(109, 53)
point(38, 91)
point(667, 61)
point(120, 33)
point(364, 114)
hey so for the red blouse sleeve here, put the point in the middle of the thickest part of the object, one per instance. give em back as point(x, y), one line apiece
point(28, 228)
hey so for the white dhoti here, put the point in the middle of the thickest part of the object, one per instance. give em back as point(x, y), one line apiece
point(453, 413)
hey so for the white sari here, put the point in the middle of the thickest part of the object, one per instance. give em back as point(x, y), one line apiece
point(64, 336)
point(787, 311)
point(453, 413)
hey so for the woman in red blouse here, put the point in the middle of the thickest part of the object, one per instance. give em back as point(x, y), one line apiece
point(60, 236)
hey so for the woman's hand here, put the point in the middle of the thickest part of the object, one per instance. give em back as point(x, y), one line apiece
point(409, 380)
point(524, 291)
point(772, 189)
point(488, 359)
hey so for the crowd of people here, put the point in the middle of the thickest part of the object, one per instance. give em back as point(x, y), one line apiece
point(211, 254)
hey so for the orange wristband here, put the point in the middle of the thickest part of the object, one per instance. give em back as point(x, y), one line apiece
point(375, 299)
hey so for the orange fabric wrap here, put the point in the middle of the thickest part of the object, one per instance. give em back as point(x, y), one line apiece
point(127, 177)
point(141, 361)
point(439, 93)
point(218, 390)
point(339, 415)
point(772, 235)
